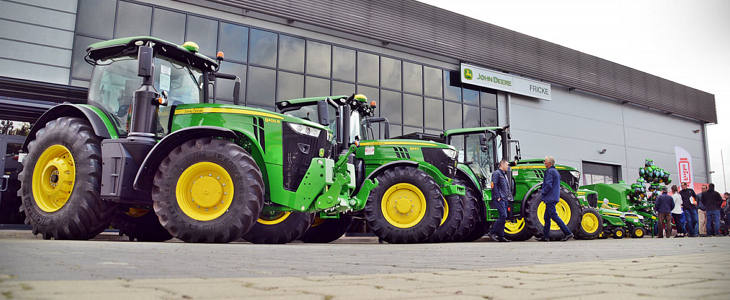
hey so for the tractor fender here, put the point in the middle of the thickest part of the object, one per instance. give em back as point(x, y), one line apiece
point(469, 181)
point(382, 168)
point(530, 191)
point(146, 173)
point(72, 110)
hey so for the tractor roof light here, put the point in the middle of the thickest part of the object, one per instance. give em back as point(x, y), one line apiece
point(373, 104)
point(219, 55)
point(191, 46)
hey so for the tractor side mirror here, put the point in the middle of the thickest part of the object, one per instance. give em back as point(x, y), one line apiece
point(237, 91)
point(323, 113)
point(146, 62)
point(386, 132)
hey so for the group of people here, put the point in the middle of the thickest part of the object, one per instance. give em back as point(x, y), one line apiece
point(688, 210)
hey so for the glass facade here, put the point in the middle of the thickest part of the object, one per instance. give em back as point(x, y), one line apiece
point(274, 66)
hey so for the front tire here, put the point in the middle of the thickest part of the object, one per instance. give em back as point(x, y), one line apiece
point(61, 182)
point(412, 220)
point(568, 209)
point(453, 213)
point(470, 214)
point(140, 224)
point(591, 224)
point(208, 190)
point(327, 230)
point(517, 230)
point(638, 232)
point(619, 233)
point(278, 227)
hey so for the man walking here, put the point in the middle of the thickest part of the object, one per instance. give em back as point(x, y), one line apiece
point(501, 197)
point(712, 201)
point(664, 205)
point(677, 212)
point(689, 208)
point(551, 196)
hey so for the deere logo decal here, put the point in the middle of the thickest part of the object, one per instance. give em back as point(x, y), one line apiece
point(468, 74)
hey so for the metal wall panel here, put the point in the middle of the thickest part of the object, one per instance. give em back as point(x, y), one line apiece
point(427, 28)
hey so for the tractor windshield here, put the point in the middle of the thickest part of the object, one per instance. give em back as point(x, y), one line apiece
point(114, 82)
point(479, 157)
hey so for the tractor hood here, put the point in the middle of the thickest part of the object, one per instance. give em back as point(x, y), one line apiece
point(406, 143)
point(537, 164)
point(128, 46)
point(236, 109)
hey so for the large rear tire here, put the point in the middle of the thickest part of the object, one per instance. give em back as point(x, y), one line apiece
point(568, 209)
point(140, 224)
point(481, 226)
point(61, 182)
point(327, 230)
point(453, 214)
point(470, 214)
point(591, 224)
point(279, 227)
point(208, 190)
point(406, 207)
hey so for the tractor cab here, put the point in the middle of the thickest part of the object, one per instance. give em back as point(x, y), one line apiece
point(480, 149)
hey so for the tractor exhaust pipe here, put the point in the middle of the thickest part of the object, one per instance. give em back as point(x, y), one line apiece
point(144, 108)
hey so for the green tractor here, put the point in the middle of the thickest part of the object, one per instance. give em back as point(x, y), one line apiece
point(153, 154)
point(416, 199)
point(617, 210)
point(480, 150)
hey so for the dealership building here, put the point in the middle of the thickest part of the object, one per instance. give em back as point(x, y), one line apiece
point(428, 69)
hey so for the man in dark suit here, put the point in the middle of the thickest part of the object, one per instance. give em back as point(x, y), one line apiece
point(551, 196)
point(501, 198)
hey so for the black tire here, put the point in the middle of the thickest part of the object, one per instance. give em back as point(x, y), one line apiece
point(327, 230)
point(619, 233)
point(10, 204)
point(291, 226)
point(140, 224)
point(425, 226)
point(470, 214)
point(534, 220)
point(521, 233)
point(604, 234)
point(481, 226)
point(245, 204)
point(84, 214)
point(453, 214)
point(638, 232)
point(591, 224)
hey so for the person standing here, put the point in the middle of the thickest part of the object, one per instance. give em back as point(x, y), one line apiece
point(677, 212)
point(726, 197)
point(689, 207)
point(551, 196)
point(663, 206)
point(712, 200)
point(701, 213)
point(501, 198)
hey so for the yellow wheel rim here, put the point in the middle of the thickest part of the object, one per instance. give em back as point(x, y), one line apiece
point(274, 218)
point(589, 223)
point(638, 232)
point(514, 227)
point(563, 210)
point(446, 212)
point(204, 191)
point(403, 205)
point(54, 175)
point(619, 233)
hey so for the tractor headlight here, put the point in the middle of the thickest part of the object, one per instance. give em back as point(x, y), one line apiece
point(304, 129)
point(641, 217)
point(575, 174)
point(451, 153)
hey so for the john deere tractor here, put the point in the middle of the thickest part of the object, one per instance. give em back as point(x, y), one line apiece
point(416, 199)
point(480, 150)
point(154, 154)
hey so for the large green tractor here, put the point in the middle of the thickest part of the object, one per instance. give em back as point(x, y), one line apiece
point(151, 153)
point(416, 199)
point(480, 150)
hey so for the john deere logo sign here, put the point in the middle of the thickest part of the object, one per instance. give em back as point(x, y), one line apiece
point(505, 82)
point(468, 74)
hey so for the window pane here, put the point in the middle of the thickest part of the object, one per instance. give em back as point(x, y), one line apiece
point(367, 68)
point(395, 130)
point(413, 106)
point(233, 42)
point(471, 96)
point(452, 111)
point(471, 116)
point(390, 106)
point(224, 91)
point(261, 87)
point(489, 100)
point(96, 18)
point(168, 25)
point(289, 86)
point(390, 73)
point(434, 113)
point(318, 59)
point(263, 48)
point(343, 88)
point(408, 129)
point(433, 83)
point(80, 69)
point(489, 117)
point(133, 20)
point(451, 92)
point(203, 32)
point(412, 78)
point(344, 64)
point(291, 53)
point(316, 87)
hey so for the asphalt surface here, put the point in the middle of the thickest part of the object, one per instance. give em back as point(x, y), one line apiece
point(25, 257)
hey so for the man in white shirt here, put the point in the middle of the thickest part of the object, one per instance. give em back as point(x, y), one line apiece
point(677, 212)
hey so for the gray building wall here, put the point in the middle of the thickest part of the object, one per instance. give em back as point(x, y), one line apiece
point(37, 37)
point(575, 126)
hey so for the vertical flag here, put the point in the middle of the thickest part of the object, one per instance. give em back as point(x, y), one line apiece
point(684, 165)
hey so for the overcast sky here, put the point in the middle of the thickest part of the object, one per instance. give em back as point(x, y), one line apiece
point(684, 41)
